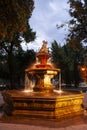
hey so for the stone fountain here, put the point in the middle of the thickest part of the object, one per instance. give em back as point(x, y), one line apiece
point(42, 100)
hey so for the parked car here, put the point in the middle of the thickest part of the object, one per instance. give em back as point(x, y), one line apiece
point(82, 85)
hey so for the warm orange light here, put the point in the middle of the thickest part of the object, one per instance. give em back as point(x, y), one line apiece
point(47, 81)
point(27, 91)
point(83, 68)
point(58, 91)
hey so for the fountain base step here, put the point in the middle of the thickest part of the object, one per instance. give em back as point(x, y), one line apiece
point(36, 105)
point(45, 115)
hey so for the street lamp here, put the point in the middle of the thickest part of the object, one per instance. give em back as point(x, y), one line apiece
point(84, 73)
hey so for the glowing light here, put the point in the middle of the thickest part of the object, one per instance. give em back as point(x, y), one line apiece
point(27, 91)
point(47, 80)
point(58, 91)
point(83, 69)
point(51, 72)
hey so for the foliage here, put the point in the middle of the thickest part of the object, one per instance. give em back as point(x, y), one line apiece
point(21, 60)
point(9, 49)
point(67, 59)
point(15, 28)
point(14, 16)
point(24, 59)
point(78, 23)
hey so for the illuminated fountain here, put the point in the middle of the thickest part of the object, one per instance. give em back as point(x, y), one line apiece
point(40, 99)
point(42, 72)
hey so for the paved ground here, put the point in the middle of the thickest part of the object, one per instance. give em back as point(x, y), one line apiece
point(78, 123)
point(27, 127)
point(19, 123)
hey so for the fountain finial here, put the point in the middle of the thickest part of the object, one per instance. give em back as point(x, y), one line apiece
point(44, 48)
point(43, 55)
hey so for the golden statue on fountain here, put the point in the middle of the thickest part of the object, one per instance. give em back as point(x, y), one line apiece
point(44, 48)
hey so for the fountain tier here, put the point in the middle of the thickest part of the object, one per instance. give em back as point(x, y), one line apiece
point(43, 105)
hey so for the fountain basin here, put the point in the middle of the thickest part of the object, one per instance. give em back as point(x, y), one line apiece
point(42, 105)
point(43, 78)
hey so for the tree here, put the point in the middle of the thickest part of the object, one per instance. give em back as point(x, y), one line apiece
point(62, 60)
point(17, 28)
point(78, 27)
point(10, 49)
point(22, 60)
point(67, 60)
point(4, 74)
point(78, 23)
point(14, 15)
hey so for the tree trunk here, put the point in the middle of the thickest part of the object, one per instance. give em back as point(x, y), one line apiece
point(11, 70)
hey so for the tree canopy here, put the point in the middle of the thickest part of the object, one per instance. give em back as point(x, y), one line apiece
point(14, 28)
point(78, 23)
point(14, 16)
point(67, 60)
